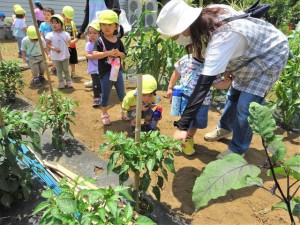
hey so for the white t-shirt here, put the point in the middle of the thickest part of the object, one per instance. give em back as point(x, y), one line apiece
point(60, 41)
point(223, 46)
point(221, 49)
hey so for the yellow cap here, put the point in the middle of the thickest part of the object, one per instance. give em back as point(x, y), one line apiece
point(31, 33)
point(17, 6)
point(108, 17)
point(19, 11)
point(58, 17)
point(68, 11)
point(149, 84)
point(95, 24)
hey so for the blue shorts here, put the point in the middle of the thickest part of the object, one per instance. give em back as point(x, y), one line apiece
point(201, 118)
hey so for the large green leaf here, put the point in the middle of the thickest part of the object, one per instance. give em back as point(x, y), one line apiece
point(41, 207)
point(220, 176)
point(47, 193)
point(293, 164)
point(262, 121)
point(66, 205)
point(279, 150)
point(6, 200)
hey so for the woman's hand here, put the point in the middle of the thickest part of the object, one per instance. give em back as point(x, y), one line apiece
point(180, 135)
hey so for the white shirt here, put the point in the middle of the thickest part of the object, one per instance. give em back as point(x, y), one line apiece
point(221, 49)
point(60, 41)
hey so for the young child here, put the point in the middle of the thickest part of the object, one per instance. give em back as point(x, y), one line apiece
point(70, 27)
point(190, 66)
point(45, 28)
point(30, 47)
point(149, 86)
point(57, 41)
point(93, 32)
point(6, 20)
point(109, 50)
point(19, 27)
point(38, 11)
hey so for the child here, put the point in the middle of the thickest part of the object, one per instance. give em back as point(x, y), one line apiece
point(19, 27)
point(186, 67)
point(109, 49)
point(6, 20)
point(31, 48)
point(149, 86)
point(45, 28)
point(70, 27)
point(93, 32)
point(39, 15)
point(57, 41)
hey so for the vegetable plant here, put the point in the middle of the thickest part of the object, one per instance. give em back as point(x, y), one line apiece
point(58, 120)
point(286, 103)
point(236, 173)
point(11, 81)
point(154, 154)
point(148, 53)
point(101, 206)
point(15, 182)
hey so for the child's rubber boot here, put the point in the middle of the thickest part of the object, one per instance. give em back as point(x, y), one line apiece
point(188, 148)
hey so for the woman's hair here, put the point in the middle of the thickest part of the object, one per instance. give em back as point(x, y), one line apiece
point(50, 10)
point(20, 16)
point(39, 5)
point(204, 26)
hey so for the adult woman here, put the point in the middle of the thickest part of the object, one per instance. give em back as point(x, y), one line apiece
point(250, 51)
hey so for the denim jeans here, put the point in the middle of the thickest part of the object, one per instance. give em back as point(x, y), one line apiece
point(106, 86)
point(96, 85)
point(234, 118)
point(19, 41)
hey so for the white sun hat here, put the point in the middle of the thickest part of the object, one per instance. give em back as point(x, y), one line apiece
point(175, 17)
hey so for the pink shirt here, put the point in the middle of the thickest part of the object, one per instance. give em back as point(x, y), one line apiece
point(39, 14)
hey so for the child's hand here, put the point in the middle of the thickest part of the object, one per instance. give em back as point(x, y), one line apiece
point(169, 93)
point(57, 50)
point(145, 107)
point(115, 53)
point(49, 57)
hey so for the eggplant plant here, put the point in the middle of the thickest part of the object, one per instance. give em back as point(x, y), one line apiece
point(154, 154)
point(103, 206)
point(11, 80)
point(236, 173)
point(58, 119)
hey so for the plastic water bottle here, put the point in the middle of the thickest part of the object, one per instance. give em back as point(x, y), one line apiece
point(176, 100)
point(156, 116)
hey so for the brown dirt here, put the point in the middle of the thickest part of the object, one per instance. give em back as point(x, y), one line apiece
point(246, 206)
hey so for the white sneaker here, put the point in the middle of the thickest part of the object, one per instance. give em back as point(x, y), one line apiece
point(227, 152)
point(217, 134)
point(88, 84)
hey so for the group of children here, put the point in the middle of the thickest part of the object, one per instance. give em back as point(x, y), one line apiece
point(103, 51)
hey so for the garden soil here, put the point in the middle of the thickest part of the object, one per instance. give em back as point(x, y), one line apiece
point(250, 205)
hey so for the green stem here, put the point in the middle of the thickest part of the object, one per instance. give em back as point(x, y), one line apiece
point(286, 201)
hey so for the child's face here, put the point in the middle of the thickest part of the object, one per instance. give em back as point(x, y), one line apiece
point(93, 34)
point(55, 25)
point(108, 29)
point(47, 16)
point(2, 18)
point(66, 19)
point(146, 98)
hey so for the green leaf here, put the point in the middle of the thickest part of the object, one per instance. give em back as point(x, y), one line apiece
point(6, 200)
point(261, 121)
point(294, 203)
point(150, 164)
point(143, 220)
point(128, 212)
point(102, 212)
point(113, 208)
point(41, 207)
point(156, 192)
point(112, 161)
point(293, 165)
point(170, 164)
point(279, 150)
point(66, 205)
point(215, 182)
point(47, 193)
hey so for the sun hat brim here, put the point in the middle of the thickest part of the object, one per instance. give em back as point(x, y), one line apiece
point(175, 17)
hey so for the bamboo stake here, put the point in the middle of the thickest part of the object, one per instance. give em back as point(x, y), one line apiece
point(138, 134)
point(43, 54)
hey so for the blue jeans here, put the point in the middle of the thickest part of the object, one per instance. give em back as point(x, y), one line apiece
point(234, 118)
point(19, 41)
point(106, 86)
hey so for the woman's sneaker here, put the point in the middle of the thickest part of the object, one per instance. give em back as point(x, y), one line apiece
point(61, 85)
point(217, 134)
point(97, 102)
point(69, 84)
